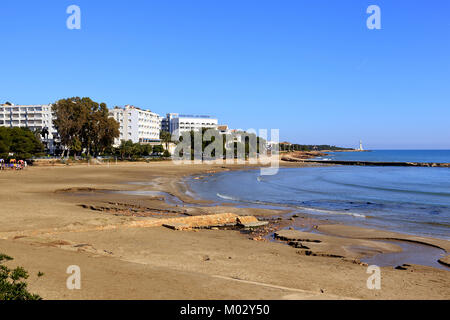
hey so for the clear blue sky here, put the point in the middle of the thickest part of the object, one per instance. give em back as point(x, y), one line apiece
point(310, 68)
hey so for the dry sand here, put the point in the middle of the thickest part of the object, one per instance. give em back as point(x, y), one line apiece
point(54, 217)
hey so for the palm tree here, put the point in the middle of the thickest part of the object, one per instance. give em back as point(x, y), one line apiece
point(165, 137)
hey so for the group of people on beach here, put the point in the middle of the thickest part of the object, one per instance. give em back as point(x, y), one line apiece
point(13, 164)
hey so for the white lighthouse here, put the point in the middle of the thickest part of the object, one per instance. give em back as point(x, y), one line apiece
point(360, 146)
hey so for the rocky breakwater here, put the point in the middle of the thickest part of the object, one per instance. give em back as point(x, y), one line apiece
point(301, 155)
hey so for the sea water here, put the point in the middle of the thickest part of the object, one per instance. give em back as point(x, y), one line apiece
point(414, 200)
point(430, 156)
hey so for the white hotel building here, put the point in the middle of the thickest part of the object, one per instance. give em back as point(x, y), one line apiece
point(183, 123)
point(137, 125)
point(34, 117)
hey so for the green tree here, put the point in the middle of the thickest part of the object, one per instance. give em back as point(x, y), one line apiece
point(87, 121)
point(125, 149)
point(23, 143)
point(5, 141)
point(76, 145)
point(71, 115)
point(101, 129)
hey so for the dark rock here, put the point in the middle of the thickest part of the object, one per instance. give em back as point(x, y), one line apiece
point(297, 244)
point(400, 268)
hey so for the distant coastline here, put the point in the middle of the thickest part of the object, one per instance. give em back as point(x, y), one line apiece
point(406, 158)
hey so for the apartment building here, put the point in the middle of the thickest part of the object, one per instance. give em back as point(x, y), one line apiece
point(34, 117)
point(136, 124)
point(183, 123)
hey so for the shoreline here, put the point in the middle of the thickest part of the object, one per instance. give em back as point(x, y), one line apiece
point(380, 233)
point(184, 255)
point(338, 218)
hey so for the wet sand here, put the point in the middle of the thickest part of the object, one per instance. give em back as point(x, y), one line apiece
point(53, 217)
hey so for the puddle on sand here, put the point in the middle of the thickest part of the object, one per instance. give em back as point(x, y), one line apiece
point(412, 253)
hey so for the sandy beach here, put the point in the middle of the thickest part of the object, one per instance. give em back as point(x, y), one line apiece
point(99, 217)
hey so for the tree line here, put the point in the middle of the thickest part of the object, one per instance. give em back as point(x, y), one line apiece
point(304, 147)
point(234, 145)
point(133, 151)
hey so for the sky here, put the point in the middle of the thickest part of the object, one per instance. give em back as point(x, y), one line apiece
point(311, 69)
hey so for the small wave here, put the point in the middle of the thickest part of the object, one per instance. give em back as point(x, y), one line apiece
point(253, 202)
point(226, 197)
point(354, 214)
point(190, 194)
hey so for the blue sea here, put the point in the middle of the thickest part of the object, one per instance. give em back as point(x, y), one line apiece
point(414, 200)
point(436, 156)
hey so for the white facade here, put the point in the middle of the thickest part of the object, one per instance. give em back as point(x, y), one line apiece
point(34, 117)
point(185, 123)
point(137, 125)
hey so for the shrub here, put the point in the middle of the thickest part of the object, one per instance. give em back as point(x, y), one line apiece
point(12, 284)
